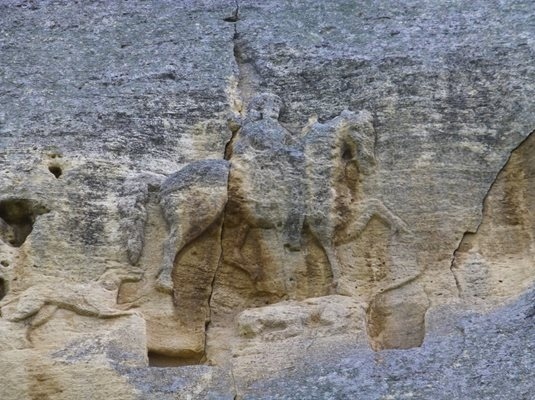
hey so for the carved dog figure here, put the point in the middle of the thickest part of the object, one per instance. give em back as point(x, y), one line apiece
point(95, 299)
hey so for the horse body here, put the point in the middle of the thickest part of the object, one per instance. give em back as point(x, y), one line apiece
point(191, 200)
point(277, 182)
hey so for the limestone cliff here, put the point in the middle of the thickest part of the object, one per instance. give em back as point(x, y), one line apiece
point(279, 200)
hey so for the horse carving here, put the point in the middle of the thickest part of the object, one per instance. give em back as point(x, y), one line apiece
point(274, 181)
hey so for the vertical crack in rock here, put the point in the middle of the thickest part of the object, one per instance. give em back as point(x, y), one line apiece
point(468, 234)
point(219, 263)
point(248, 76)
point(234, 387)
point(234, 126)
point(453, 257)
point(235, 15)
point(242, 80)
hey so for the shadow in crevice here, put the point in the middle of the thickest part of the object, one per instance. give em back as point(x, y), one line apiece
point(17, 217)
point(167, 361)
point(3, 289)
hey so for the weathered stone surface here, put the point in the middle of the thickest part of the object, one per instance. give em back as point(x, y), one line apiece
point(483, 357)
point(495, 262)
point(312, 199)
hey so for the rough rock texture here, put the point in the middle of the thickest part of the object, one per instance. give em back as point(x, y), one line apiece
point(481, 357)
point(497, 260)
point(307, 199)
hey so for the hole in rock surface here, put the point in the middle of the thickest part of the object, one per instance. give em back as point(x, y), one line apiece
point(166, 361)
point(55, 170)
point(347, 154)
point(20, 215)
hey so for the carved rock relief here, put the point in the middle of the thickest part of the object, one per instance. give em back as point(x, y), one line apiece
point(172, 225)
point(191, 200)
point(266, 225)
point(39, 302)
point(272, 223)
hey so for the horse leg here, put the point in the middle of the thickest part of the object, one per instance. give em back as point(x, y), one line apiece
point(29, 304)
point(43, 315)
point(237, 260)
point(371, 208)
point(294, 228)
point(376, 207)
point(337, 285)
point(164, 282)
point(243, 232)
point(324, 237)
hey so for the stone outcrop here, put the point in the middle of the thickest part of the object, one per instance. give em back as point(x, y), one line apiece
point(495, 262)
point(263, 200)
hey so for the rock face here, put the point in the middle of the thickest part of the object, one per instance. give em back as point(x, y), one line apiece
point(496, 260)
point(263, 200)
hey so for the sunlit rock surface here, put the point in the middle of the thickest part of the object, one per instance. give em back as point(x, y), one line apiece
point(280, 200)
